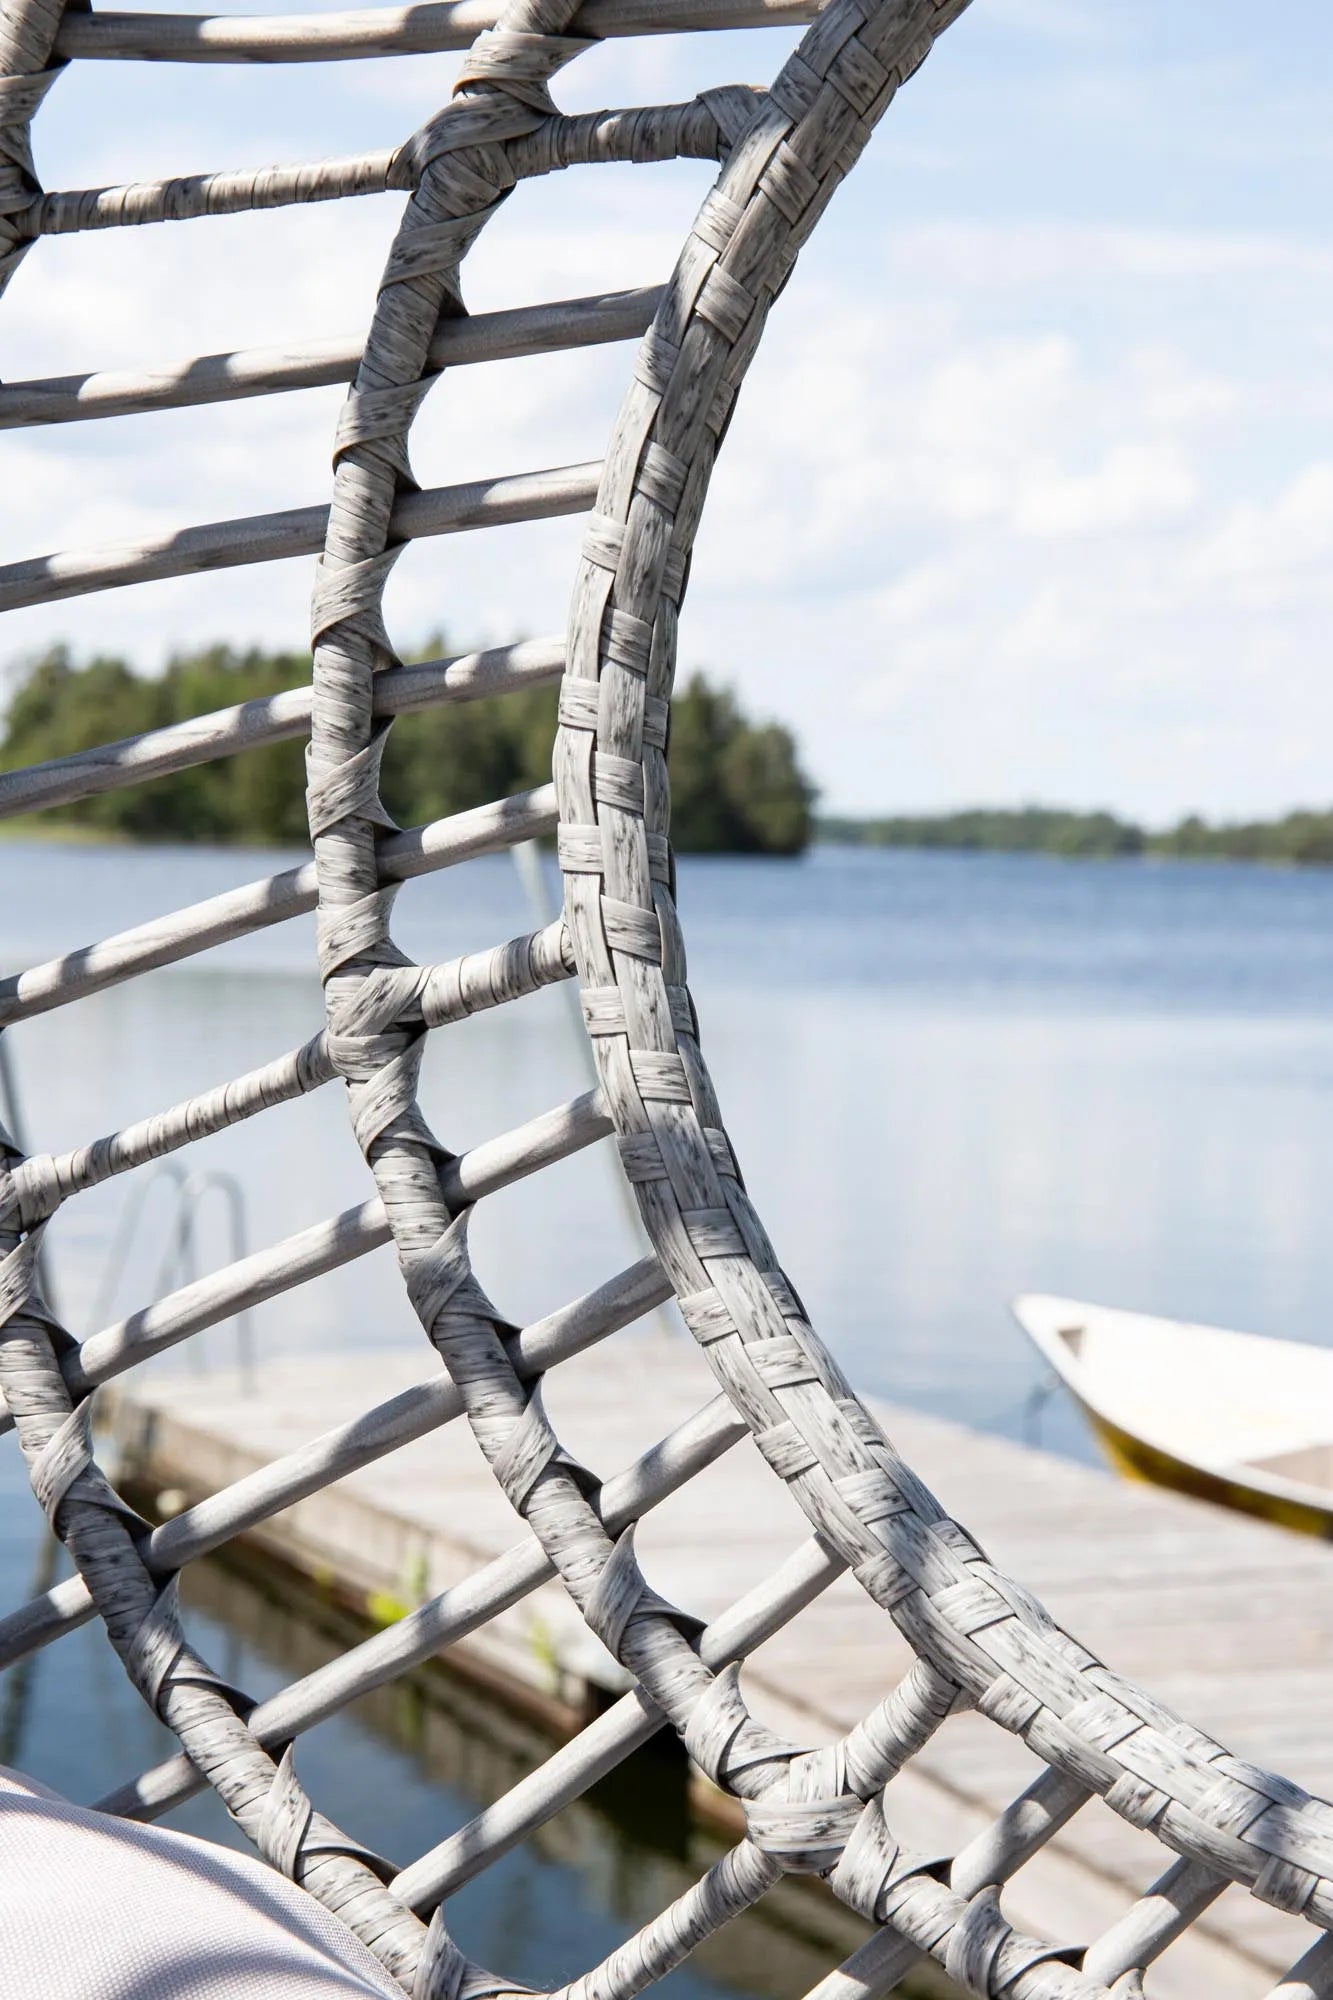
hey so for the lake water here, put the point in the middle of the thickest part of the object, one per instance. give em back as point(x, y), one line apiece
point(948, 1078)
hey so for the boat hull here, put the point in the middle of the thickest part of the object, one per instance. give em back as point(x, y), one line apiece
point(1251, 1413)
point(1137, 1459)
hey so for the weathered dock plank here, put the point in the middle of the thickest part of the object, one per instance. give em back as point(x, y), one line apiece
point(1225, 1618)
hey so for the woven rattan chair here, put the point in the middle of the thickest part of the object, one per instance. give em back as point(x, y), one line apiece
point(981, 1642)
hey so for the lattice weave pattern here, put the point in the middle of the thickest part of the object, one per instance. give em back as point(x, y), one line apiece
point(980, 1640)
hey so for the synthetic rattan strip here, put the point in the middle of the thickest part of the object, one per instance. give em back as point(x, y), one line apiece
point(1312, 1979)
point(267, 371)
point(299, 531)
point(484, 1169)
point(875, 1969)
point(464, 986)
point(442, 1620)
point(792, 1818)
point(261, 1494)
point(191, 195)
point(629, 1723)
point(273, 718)
point(1117, 1959)
point(1154, 1922)
point(980, 1639)
point(29, 66)
point(1006, 1654)
point(655, 132)
point(426, 28)
point(140, 1614)
point(272, 900)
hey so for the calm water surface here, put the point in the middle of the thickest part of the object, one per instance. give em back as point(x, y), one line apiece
point(948, 1079)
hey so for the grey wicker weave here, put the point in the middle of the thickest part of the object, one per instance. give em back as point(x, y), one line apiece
point(981, 1641)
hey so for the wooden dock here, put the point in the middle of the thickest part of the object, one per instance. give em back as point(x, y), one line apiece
point(1227, 1620)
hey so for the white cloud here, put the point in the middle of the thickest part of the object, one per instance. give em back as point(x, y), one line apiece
point(1178, 397)
point(1261, 555)
point(1041, 252)
point(1061, 21)
point(1135, 486)
point(1013, 504)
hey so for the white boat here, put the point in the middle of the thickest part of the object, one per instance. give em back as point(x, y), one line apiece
point(1232, 1417)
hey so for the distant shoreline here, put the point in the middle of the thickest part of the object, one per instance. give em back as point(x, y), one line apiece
point(1301, 839)
point(942, 835)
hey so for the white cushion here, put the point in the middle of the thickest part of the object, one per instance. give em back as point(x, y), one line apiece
point(94, 1908)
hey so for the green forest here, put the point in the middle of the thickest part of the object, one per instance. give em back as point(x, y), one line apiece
point(737, 785)
point(1302, 838)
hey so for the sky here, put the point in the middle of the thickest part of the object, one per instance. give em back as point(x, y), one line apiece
point(1029, 494)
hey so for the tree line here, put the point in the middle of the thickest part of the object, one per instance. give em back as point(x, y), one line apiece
point(1303, 838)
point(737, 785)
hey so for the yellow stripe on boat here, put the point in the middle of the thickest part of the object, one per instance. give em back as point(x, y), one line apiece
point(1237, 1419)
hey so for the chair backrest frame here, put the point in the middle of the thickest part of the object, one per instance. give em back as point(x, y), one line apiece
point(981, 1641)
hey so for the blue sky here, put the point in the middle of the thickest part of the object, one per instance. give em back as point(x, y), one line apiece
point(1030, 493)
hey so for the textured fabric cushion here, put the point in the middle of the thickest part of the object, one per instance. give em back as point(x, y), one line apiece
point(93, 1908)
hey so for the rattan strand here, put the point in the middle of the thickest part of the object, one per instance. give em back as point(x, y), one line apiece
point(312, 1253)
point(273, 718)
point(425, 28)
point(264, 371)
point(210, 1523)
point(273, 899)
point(442, 1620)
point(296, 531)
point(613, 793)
